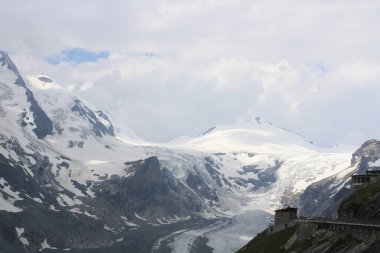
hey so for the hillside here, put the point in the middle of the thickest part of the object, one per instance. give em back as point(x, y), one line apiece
point(355, 208)
point(363, 204)
point(321, 241)
point(323, 198)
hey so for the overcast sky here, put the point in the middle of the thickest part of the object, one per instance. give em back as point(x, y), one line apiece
point(172, 68)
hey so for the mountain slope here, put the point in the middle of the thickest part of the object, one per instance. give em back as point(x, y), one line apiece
point(329, 197)
point(271, 161)
point(31, 116)
point(324, 197)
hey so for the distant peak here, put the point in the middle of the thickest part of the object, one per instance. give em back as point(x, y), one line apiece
point(253, 118)
point(258, 120)
point(3, 54)
point(42, 82)
point(5, 60)
point(45, 79)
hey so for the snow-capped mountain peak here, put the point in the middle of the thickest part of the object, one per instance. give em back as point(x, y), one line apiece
point(255, 134)
point(42, 82)
point(17, 97)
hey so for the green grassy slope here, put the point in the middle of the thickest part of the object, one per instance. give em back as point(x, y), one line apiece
point(273, 243)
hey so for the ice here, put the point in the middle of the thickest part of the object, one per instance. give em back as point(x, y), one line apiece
point(238, 232)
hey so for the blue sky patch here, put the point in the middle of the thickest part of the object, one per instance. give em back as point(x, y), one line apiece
point(77, 56)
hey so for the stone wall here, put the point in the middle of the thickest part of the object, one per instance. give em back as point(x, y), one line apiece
point(278, 227)
point(362, 232)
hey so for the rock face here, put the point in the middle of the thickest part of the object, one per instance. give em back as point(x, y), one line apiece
point(150, 192)
point(324, 197)
point(43, 124)
point(41, 205)
point(368, 153)
point(95, 119)
point(38, 213)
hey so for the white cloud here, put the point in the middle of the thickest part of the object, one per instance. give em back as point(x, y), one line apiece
point(84, 87)
point(360, 72)
point(179, 67)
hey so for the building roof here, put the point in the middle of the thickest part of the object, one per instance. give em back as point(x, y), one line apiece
point(365, 175)
point(374, 168)
point(287, 209)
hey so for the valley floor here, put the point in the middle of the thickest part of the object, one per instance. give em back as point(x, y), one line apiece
point(220, 235)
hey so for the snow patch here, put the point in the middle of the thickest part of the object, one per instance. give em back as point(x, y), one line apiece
point(131, 224)
point(65, 200)
point(106, 227)
point(20, 235)
point(76, 210)
point(8, 197)
point(38, 200)
point(52, 207)
point(140, 218)
point(46, 245)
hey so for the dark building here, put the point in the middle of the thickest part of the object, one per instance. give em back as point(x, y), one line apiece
point(373, 171)
point(285, 215)
point(371, 176)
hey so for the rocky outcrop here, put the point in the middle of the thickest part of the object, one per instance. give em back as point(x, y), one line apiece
point(150, 192)
point(324, 197)
point(259, 177)
point(368, 152)
point(43, 124)
point(100, 122)
point(367, 149)
point(37, 219)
